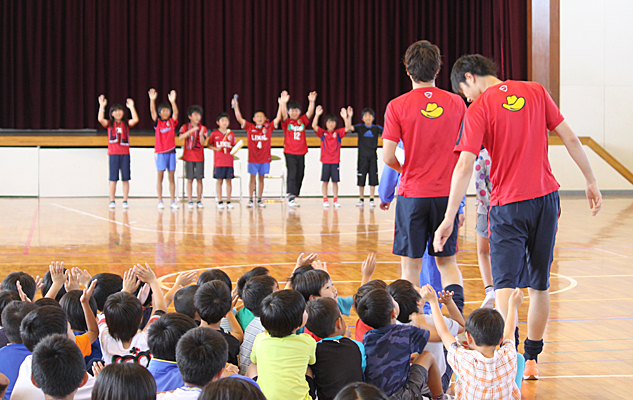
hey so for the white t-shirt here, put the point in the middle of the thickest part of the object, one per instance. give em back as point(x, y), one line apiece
point(182, 393)
point(113, 351)
point(437, 348)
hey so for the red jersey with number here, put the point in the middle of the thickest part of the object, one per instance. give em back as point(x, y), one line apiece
point(295, 135)
point(511, 120)
point(165, 132)
point(225, 141)
point(259, 141)
point(118, 138)
point(331, 145)
point(194, 151)
point(427, 120)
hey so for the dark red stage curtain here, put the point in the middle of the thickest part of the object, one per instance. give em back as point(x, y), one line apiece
point(58, 56)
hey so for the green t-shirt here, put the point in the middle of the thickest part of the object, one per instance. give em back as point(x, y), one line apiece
point(244, 317)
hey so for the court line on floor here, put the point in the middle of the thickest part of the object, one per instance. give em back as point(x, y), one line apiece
point(609, 252)
point(27, 246)
point(584, 376)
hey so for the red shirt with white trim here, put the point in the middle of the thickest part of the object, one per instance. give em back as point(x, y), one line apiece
point(331, 145)
point(194, 151)
point(259, 141)
point(511, 120)
point(165, 132)
point(427, 120)
point(223, 157)
point(118, 138)
point(295, 135)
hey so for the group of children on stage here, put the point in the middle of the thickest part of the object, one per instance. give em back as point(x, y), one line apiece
point(222, 140)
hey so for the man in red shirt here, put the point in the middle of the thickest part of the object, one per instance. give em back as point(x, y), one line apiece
point(511, 120)
point(222, 140)
point(165, 121)
point(427, 120)
point(195, 136)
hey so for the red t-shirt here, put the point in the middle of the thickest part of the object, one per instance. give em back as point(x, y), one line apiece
point(165, 132)
point(361, 329)
point(331, 145)
point(194, 151)
point(427, 120)
point(259, 141)
point(511, 120)
point(223, 157)
point(295, 135)
point(118, 138)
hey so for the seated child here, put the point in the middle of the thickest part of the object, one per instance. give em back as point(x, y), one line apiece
point(29, 287)
point(123, 382)
point(281, 349)
point(231, 388)
point(254, 291)
point(183, 302)
point(12, 355)
point(72, 306)
point(6, 298)
point(482, 370)
point(211, 275)
point(244, 316)
point(339, 360)
point(107, 284)
point(162, 338)
point(58, 367)
point(213, 301)
point(361, 327)
point(360, 391)
point(389, 348)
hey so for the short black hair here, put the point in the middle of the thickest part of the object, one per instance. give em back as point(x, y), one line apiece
point(310, 283)
point(331, 117)
point(282, 312)
point(407, 297)
point(58, 367)
point(294, 105)
point(26, 280)
point(422, 61)
point(12, 317)
point(124, 381)
point(107, 284)
point(231, 389)
point(6, 298)
point(256, 290)
point(114, 108)
point(45, 301)
point(213, 301)
point(360, 391)
point(193, 109)
point(42, 322)
point(257, 271)
point(123, 314)
point(485, 325)
point(259, 110)
point(222, 115)
point(201, 355)
point(476, 64)
point(71, 305)
point(163, 105)
point(164, 333)
point(298, 272)
point(47, 282)
point(368, 110)
point(366, 288)
point(183, 301)
point(213, 275)
point(375, 308)
point(323, 312)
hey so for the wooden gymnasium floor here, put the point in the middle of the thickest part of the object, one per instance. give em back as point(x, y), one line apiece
point(589, 339)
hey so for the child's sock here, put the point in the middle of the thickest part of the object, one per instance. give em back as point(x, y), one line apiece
point(532, 348)
point(516, 337)
point(489, 289)
point(336, 199)
point(220, 202)
point(458, 296)
point(325, 200)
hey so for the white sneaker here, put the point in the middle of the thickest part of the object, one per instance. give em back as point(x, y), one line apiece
point(293, 203)
point(220, 206)
point(372, 203)
point(199, 204)
point(250, 203)
point(230, 206)
point(190, 204)
point(360, 203)
point(112, 205)
point(161, 205)
point(260, 203)
point(489, 301)
point(326, 204)
point(337, 204)
point(174, 205)
point(125, 205)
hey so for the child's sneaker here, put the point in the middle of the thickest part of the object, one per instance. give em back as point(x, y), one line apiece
point(361, 203)
point(337, 204)
point(190, 204)
point(260, 203)
point(125, 205)
point(112, 205)
point(199, 204)
point(489, 301)
point(530, 372)
point(220, 206)
point(326, 203)
point(174, 205)
point(293, 203)
point(161, 205)
point(250, 203)
point(372, 203)
point(229, 205)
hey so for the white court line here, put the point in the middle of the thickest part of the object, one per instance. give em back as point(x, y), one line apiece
point(585, 376)
point(601, 276)
point(610, 252)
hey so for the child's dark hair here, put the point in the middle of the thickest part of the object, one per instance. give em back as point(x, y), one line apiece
point(201, 355)
point(58, 366)
point(42, 322)
point(476, 64)
point(194, 109)
point(12, 317)
point(213, 301)
point(222, 115)
point(294, 105)
point(114, 108)
point(164, 333)
point(124, 381)
point(366, 288)
point(26, 280)
point(231, 389)
point(256, 290)
point(163, 105)
point(310, 283)
point(375, 308)
point(6, 298)
point(257, 271)
point(368, 110)
point(298, 272)
point(45, 301)
point(259, 110)
point(183, 301)
point(360, 391)
point(282, 312)
point(47, 282)
point(106, 285)
point(485, 325)
point(407, 297)
point(422, 61)
point(123, 314)
point(323, 312)
point(331, 117)
point(212, 275)
point(71, 305)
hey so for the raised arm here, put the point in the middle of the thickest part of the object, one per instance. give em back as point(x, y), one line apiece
point(367, 268)
point(146, 275)
point(278, 117)
point(58, 278)
point(153, 95)
point(285, 98)
point(350, 114)
point(347, 119)
point(315, 121)
point(428, 294)
point(238, 113)
point(516, 298)
point(312, 102)
point(130, 104)
point(446, 298)
point(101, 114)
point(174, 108)
point(184, 279)
point(91, 321)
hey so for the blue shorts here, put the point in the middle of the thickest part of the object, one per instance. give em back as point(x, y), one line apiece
point(330, 171)
point(259, 168)
point(119, 162)
point(522, 238)
point(417, 219)
point(165, 161)
point(223, 173)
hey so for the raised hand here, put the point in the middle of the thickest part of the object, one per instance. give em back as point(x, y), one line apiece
point(145, 274)
point(103, 101)
point(72, 281)
point(97, 367)
point(186, 278)
point(130, 281)
point(350, 111)
point(172, 96)
point(57, 273)
point(428, 294)
point(516, 298)
point(319, 110)
point(23, 295)
point(343, 113)
point(306, 259)
point(39, 284)
point(82, 275)
point(153, 94)
point(322, 265)
point(87, 293)
point(445, 296)
point(284, 97)
point(129, 103)
point(234, 103)
point(369, 266)
point(312, 96)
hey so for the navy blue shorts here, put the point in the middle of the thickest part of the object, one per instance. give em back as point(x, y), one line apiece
point(330, 171)
point(223, 173)
point(417, 219)
point(120, 162)
point(522, 238)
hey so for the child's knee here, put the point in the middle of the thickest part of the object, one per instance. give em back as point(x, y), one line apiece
point(425, 359)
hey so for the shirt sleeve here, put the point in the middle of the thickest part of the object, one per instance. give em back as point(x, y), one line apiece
point(83, 342)
point(233, 139)
point(312, 346)
point(319, 132)
point(345, 304)
point(361, 347)
point(553, 115)
point(304, 118)
point(182, 129)
point(388, 183)
point(392, 130)
point(341, 132)
point(254, 348)
point(418, 339)
point(174, 122)
point(455, 352)
point(471, 133)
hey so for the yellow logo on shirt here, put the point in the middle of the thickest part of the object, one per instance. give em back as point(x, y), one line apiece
point(432, 111)
point(514, 103)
